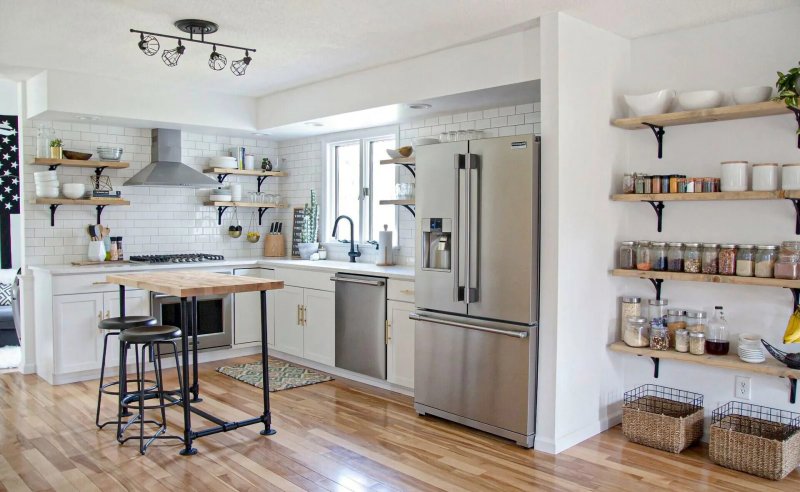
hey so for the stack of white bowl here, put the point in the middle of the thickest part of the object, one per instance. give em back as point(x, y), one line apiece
point(46, 184)
point(750, 348)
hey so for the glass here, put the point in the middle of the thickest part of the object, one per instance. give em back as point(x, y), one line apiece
point(383, 177)
point(347, 166)
point(696, 321)
point(691, 258)
point(471, 134)
point(655, 184)
point(765, 260)
point(697, 343)
point(675, 257)
point(452, 136)
point(628, 184)
point(636, 332)
point(629, 307)
point(643, 256)
point(253, 195)
point(676, 320)
point(627, 255)
point(657, 312)
point(727, 259)
point(717, 339)
point(710, 258)
point(444, 137)
point(682, 341)
point(658, 256)
point(787, 265)
point(461, 136)
point(278, 199)
point(745, 260)
point(659, 338)
point(43, 137)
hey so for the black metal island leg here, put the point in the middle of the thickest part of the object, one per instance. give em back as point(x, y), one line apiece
point(188, 450)
point(193, 323)
point(267, 416)
point(123, 362)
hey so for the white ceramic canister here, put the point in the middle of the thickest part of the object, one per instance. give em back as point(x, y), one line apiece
point(765, 177)
point(791, 177)
point(96, 251)
point(249, 162)
point(236, 192)
point(734, 176)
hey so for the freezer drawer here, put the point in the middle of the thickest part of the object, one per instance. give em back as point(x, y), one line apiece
point(479, 374)
point(361, 324)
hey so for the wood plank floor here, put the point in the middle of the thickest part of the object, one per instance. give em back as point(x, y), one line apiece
point(339, 435)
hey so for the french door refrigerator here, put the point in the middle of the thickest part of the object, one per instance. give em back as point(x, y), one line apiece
point(476, 276)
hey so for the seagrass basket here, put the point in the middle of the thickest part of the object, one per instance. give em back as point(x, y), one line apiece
point(663, 418)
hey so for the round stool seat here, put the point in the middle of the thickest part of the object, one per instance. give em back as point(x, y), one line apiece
point(146, 334)
point(123, 323)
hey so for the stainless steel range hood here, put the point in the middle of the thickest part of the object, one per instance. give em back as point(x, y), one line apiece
point(167, 168)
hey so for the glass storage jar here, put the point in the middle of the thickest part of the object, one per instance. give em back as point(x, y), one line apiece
point(717, 336)
point(765, 260)
point(745, 260)
point(643, 256)
point(696, 321)
point(787, 265)
point(675, 257)
point(628, 183)
point(658, 256)
point(697, 343)
point(657, 311)
point(727, 259)
point(676, 320)
point(627, 255)
point(710, 257)
point(681, 341)
point(630, 307)
point(636, 333)
point(659, 337)
point(691, 258)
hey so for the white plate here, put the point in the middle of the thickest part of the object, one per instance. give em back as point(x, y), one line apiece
point(223, 161)
point(220, 198)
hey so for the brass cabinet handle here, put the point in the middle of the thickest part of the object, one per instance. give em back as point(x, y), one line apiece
point(303, 311)
point(100, 315)
point(100, 283)
point(408, 292)
point(108, 314)
point(298, 315)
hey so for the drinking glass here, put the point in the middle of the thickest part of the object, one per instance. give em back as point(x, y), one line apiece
point(444, 137)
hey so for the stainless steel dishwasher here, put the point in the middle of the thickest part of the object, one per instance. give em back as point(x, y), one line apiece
point(361, 324)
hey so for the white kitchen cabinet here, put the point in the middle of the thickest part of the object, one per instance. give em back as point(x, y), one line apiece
point(288, 321)
point(247, 310)
point(400, 344)
point(137, 303)
point(77, 338)
point(319, 330)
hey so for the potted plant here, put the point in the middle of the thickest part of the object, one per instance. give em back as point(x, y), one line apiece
point(308, 237)
point(788, 86)
point(56, 149)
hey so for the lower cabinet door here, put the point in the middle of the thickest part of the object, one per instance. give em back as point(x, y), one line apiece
point(288, 328)
point(247, 310)
point(77, 339)
point(400, 344)
point(137, 303)
point(319, 335)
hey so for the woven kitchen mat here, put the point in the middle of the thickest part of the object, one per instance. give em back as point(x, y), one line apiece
point(282, 375)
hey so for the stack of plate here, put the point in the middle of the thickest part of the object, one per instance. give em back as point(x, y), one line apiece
point(46, 184)
point(223, 161)
point(750, 348)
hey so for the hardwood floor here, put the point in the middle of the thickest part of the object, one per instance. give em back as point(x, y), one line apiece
point(339, 435)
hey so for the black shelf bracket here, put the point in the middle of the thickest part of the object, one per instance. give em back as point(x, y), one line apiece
point(658, 206)
point(260, 180)
point(411, 210)
point(797, 117)
point(410, 168)
point(792, 390)
point(99, 209)
point(221, 178)
point(657, 284)
point(220, 211)
point(53, 167)
point(53, 208)
point(656, 362)
point(261, 211)
point(659, 132)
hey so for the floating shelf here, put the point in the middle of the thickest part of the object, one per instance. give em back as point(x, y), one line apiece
point(99, 205)
point(54, 163)
point(262, 207)
point(407, 204)
point(261, 175)
point(406, 162)
point(770, 367)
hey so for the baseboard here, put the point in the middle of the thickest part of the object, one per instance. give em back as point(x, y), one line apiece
point(565, 442)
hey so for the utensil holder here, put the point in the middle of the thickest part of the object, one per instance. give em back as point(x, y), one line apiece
point(96, 251)
point(274, 245)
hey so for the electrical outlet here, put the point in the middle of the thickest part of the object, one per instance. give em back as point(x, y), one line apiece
point(742, 390)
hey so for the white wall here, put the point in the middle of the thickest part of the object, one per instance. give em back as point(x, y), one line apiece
point(722, 56)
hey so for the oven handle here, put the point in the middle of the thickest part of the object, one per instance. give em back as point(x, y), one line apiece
point(162, 296)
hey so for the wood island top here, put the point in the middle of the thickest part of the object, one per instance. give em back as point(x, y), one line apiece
point(190, 284)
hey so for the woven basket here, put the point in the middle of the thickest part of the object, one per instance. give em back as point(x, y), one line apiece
point(661, 423)
point(767, 453)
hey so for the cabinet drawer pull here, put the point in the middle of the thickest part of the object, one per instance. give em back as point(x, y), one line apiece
point(298, 315)
point(303, 311)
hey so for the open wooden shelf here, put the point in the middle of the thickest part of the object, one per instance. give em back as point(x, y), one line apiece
point(243, 172)
point(78, 163)
point(81, 201)
point(768, 108)
point(397, 202)
point(701, 197)
point(245, 204)
point(410, 161)
point(714, 279)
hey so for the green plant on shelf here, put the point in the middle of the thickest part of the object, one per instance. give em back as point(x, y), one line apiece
point(310, 220)
point(56, 143)
point(788, 86)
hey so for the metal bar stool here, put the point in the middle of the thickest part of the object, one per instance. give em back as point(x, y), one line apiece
point(113, 327)
point(150, 339)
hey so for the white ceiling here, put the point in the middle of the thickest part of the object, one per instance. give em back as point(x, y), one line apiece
point(302, 41)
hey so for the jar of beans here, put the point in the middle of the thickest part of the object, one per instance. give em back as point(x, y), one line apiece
point(745, 260)
point(658, 256)
point(643, 256)
point(627, 255)
point(659, 338)
point(675, 257)
point(727, 259)
point(710, 257)
point(691, 258)
point(765, 260)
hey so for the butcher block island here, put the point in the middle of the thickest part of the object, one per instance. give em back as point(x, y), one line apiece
point(193, 284)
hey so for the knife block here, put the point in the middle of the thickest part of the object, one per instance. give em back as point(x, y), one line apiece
point(274, 245)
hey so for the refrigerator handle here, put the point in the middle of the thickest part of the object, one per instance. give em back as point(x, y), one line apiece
point(458, 288)
point(471, 253)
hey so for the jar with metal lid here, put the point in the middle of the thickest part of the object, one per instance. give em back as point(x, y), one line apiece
point(727, 259)
point(787, 265)
point(691, 258)
point(745, 260)
point(710, 258)
point(676, 320)
point(643, 256)
point(638, 183)
point(681, 341)
point(630, 307)
point(627, 255)
point(657, 311)
point(765, 260)
point(628, 184)
point(655, 184)
point(658, 256)
point(675, 257)
point(636, 332)
point(659, 337)
point(697, 343)
point(696, 321)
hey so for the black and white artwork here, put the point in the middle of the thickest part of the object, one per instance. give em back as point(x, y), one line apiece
point(9, 183)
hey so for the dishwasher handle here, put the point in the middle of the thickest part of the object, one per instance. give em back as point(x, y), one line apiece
point(375, 283)
point(508, 333)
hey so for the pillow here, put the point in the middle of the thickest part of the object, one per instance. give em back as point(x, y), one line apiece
point(5, 294)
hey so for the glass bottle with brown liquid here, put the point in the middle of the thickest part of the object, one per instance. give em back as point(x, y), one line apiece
point(717, 342)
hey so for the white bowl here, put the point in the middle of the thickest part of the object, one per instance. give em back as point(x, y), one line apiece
point(220, 198)
point(648, 104)
point(752, 94)
point(394, 154)
point(223, 161)
point(73, 190)
point(425, 141)
point(694, 100)
point(42, 176)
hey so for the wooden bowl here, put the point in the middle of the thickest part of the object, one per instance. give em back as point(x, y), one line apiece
point(78, 156)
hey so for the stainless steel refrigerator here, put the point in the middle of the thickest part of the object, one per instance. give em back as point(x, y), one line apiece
point(477, 273)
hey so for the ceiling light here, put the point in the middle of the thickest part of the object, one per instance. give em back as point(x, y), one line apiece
point(420, 106)
point(148, 44)
point(313, 123)
point(239, 66)
point(171, 57)
point(217, 61)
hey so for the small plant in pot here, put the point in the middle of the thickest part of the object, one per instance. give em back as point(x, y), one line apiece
point(788, 86)
point(56, 149)
point(308, 237)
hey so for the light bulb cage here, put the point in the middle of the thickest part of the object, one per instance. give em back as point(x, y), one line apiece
point(148, 44)
point(217, 61)
point(171, 57)
point(239, 67)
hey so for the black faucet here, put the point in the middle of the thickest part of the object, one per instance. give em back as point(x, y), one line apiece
point(354, 252)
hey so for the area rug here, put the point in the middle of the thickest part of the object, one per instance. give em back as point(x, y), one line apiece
point(10, 356)
point(282, 375)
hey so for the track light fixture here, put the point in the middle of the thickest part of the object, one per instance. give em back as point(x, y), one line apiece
point(149, 45)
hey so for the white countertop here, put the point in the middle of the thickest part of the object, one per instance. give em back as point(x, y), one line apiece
point(396, 272)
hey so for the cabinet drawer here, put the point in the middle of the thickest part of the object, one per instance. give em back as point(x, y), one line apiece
point(80, 284)
point(400, 290)
point(306, 278)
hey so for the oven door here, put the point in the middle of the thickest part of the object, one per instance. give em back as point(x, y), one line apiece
point(214, 318)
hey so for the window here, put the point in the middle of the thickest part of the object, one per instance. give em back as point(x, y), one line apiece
point(356, 182)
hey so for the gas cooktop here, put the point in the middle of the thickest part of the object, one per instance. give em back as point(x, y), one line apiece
point(183, 258)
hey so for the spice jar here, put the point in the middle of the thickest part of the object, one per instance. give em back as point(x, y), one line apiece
point(675, 257)
point(710, 256)
point(658, 256)
point(659, 338)
point(682, 341)
point(727, 259)
point(636, 332)
point(691, 258)
point(655, 184)
point(657, 311)
point(639, 180)
point(696, 321)
point(630, 307)
point(697, 343)
point(745, 260)
point(628, 183)
point(765, 260)
point(787, 265)
point(676, 320)
point(643, 256)
point(627, 255)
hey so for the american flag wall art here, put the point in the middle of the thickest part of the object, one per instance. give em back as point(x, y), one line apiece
point(9, 183)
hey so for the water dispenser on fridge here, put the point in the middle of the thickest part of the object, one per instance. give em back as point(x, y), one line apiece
point(436, 244)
